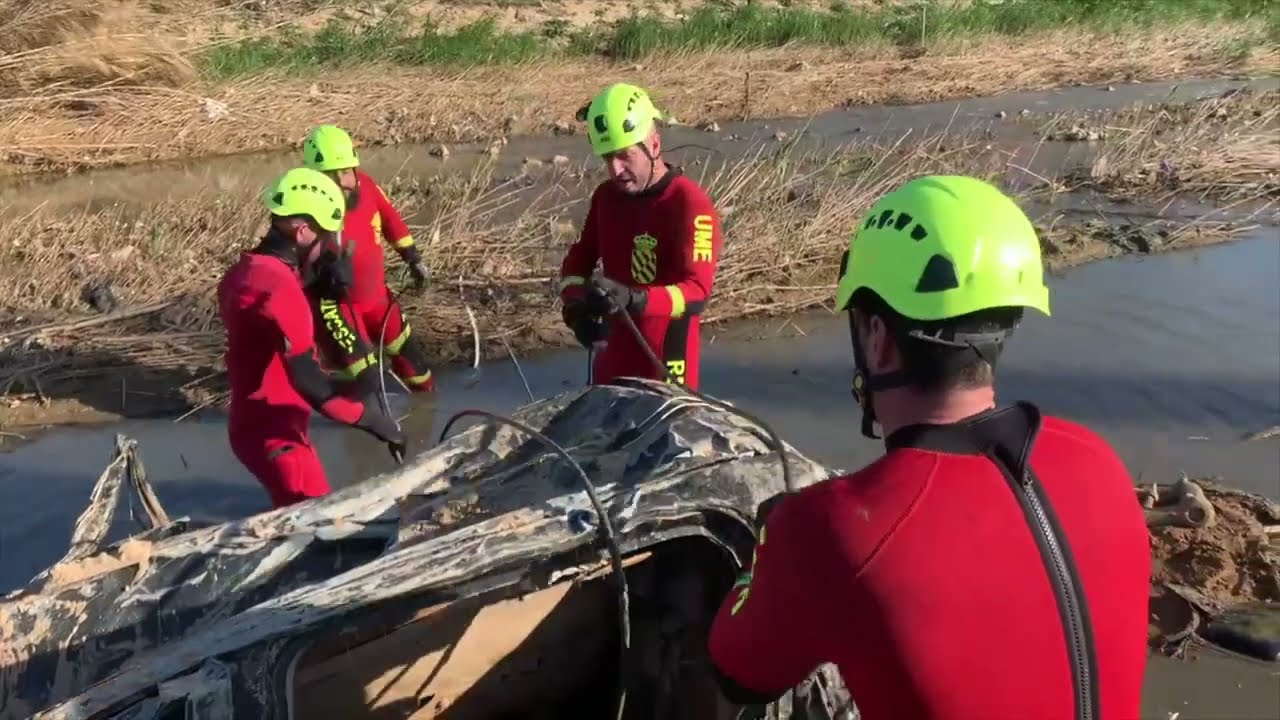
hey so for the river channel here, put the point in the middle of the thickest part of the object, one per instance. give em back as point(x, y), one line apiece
point(1174, 358)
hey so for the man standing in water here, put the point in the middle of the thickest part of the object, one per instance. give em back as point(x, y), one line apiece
point(993, 563)
point(657, 235)
point(275, 376)
point(352, 302)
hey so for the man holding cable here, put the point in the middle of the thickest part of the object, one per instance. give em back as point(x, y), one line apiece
point(272, 364)
point(657, 235)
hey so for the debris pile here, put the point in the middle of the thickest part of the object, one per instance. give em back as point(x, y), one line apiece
point(1215, 550)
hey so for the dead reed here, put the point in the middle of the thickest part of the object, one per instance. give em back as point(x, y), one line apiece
point(1222, 149)
point(494, 245)
point(53, 48)
point(106, 96)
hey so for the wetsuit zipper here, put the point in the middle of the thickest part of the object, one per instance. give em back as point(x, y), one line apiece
point(1067, 589)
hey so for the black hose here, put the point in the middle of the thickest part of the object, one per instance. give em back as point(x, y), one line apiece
point(776, 440)
point(606, 532)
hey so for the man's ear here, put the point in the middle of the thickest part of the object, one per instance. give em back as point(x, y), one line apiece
point(881, 351)
point(655, 142)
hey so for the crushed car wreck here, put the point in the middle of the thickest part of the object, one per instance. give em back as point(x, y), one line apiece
point(478, 581)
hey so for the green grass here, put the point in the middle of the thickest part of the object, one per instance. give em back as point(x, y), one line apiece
point(713, 26)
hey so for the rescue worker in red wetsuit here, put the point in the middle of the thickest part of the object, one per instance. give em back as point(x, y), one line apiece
point(658, 237)
point(271, 360)
point(352, 302)
point(992, 564)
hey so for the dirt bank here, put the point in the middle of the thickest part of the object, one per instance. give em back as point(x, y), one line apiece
point(1198, 574)
point(103, 313)
point(100, 92)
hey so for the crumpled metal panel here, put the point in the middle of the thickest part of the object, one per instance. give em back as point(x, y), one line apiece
point(476, 511)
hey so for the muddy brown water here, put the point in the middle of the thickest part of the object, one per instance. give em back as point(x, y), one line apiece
point(1174, 358)
point(138, 186)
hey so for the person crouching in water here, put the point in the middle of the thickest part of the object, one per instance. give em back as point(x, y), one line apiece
point(658, 237)
point(275, 376)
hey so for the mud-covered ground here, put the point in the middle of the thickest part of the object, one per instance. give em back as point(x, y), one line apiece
point(109, 83)
point(1221, 581)
point(1233, 561)
point(111, 314)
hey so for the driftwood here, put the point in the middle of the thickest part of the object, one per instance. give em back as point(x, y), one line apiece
point(13, 337)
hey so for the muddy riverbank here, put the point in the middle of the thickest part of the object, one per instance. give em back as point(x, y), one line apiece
point(494, 236)
point(1045, 132)
point(124, 85)
point(1142, 365)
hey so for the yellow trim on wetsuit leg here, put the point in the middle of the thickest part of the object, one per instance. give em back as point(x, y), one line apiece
point(395, 346)
point(418, 380)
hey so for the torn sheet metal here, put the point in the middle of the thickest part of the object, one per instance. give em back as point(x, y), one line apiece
point(478, 511)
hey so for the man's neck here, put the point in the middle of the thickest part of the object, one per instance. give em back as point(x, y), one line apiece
point(908, 407)
point(277, 245)
point(660, 170)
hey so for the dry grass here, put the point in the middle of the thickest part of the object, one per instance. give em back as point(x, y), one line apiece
point(494, 246)
point(133, 119)
point(1222, 149)
point(50, 48)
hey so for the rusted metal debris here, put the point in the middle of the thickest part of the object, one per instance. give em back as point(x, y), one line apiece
point(214, 616)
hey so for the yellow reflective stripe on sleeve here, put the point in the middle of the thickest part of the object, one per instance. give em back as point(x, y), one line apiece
point(571, 281)
point(351, 371)
point(677, 300)
point(404, 242)
point(394, 346)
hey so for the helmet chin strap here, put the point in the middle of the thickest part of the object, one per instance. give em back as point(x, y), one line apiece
point(864, 383)
point(986, 345)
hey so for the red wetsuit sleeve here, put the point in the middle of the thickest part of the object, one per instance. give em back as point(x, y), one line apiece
point(698, 255)
point(286, 308)
point(581, 257)
point(763, 639)
point(394, 229)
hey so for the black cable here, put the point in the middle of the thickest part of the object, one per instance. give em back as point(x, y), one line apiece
point(606, 532)
point(776, 440)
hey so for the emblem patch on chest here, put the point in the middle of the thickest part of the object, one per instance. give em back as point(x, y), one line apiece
point(377, 228)
point(644, 258)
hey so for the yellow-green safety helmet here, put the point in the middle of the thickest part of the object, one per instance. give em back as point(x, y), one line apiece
point(329, 147)
point(303, 191)
point(942, 246)
point(618, 117)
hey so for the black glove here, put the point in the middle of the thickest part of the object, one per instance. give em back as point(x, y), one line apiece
point(417, 268)
point(420, 274)
point(332, 275)
point(587, 326)
point(618, 296)
point(382, 426)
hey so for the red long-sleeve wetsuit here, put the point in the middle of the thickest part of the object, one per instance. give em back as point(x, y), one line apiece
point(275, 377)
point(920, 577)
point(350, 327)
point(665, 241)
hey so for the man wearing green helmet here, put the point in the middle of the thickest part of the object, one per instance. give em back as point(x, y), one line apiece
point(658, 237)
point(354, 308)
point(993, 563)
point(276, 379)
